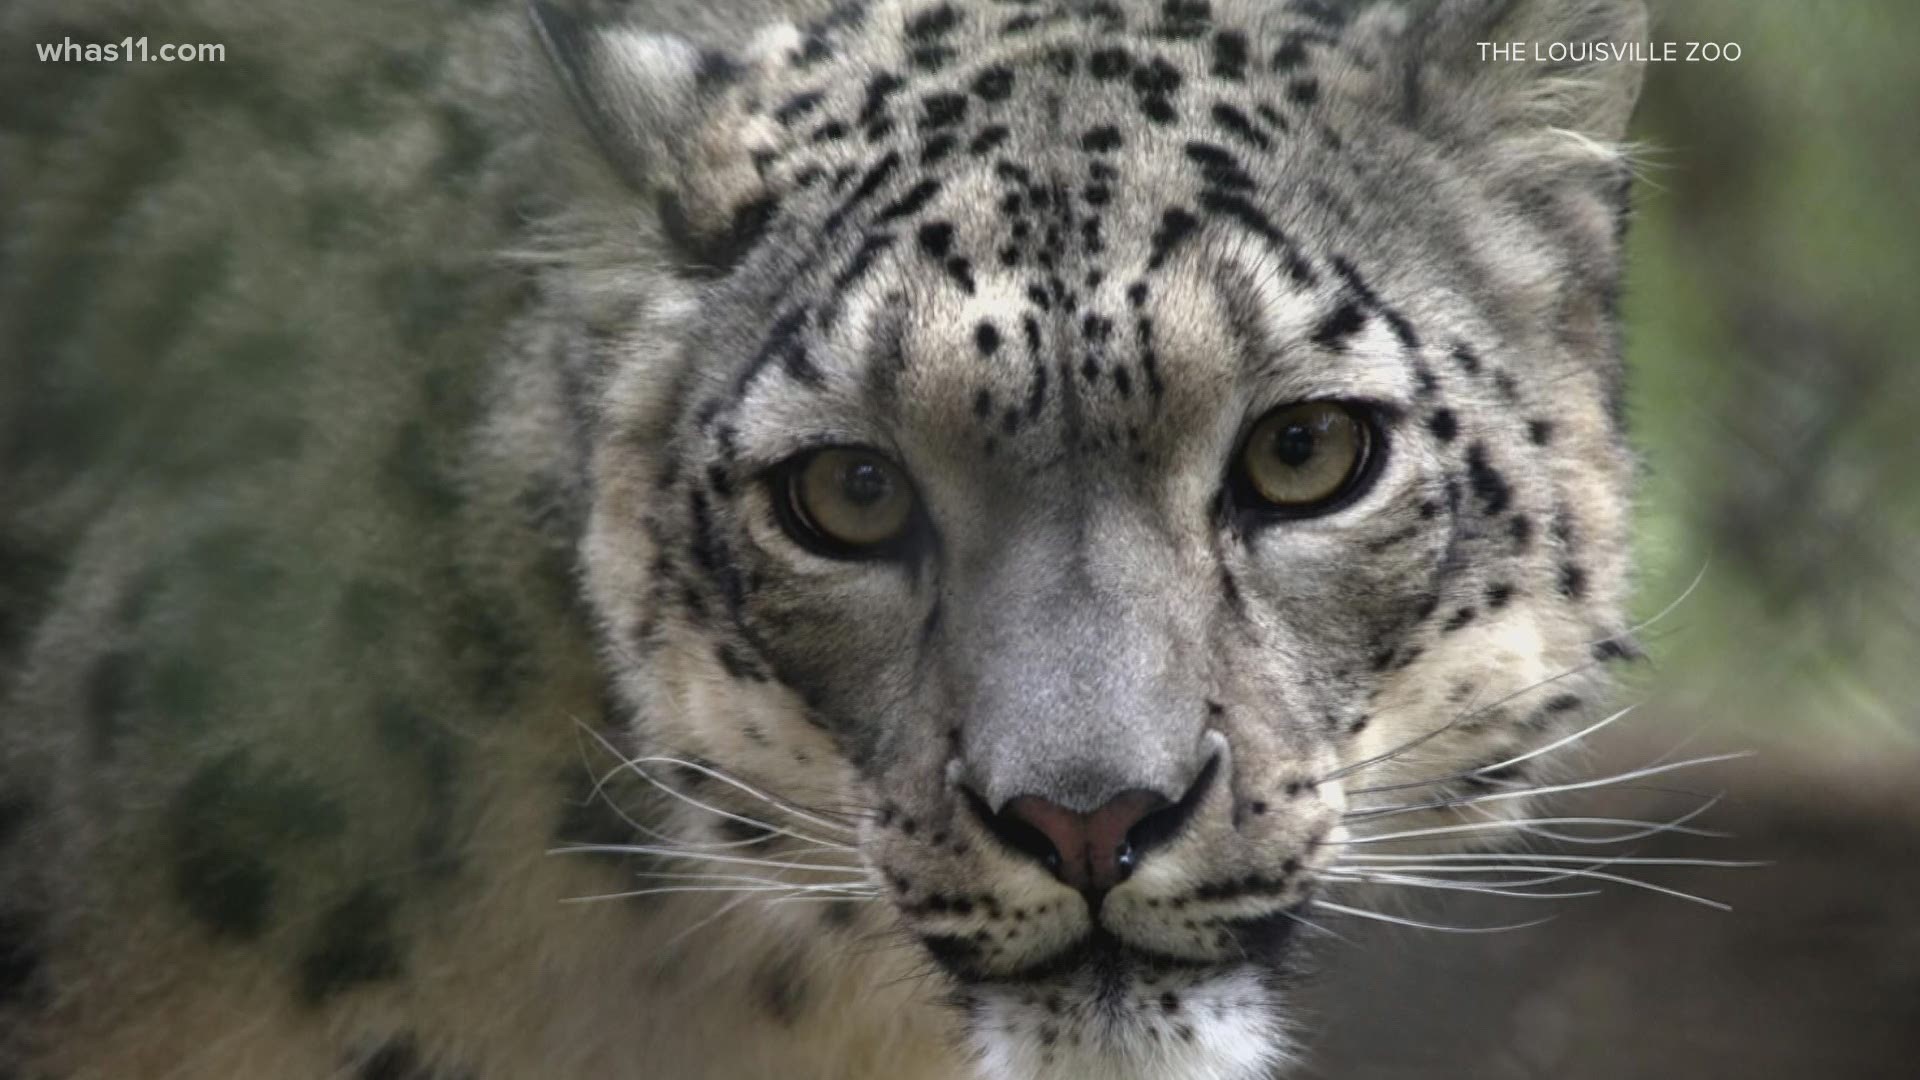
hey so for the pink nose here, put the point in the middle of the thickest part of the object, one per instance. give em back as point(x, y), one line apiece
point(1091, 852)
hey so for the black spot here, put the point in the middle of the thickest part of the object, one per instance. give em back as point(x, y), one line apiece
point(1230, 55)
point(1615, 648)
point(1156, 78)
point(1464, 355)
point(431, 753)
point(1499, 594)
point(910, 203)
point(994, 83)
point(938, 148)
point(931, 57)
point(879, 88)
point(1329, 15)
point(831, 131)
point(1291, 54)
point(739, 831)
point(1488, 485)
point(1459, 619)
point(961, 271)
point(1101, 139)
point(1520, 528)
point(219, 825)
point(943, 109)
point(1236, 123)
point(1443, 424)
point(1303, 92)
point(1561, 703)
point(798, 106)
point(1218, 166)
point(813, 49)
point(1176, 225)
point(1573, 581)
point(1340, 325)
point(933, 24)
point(709, 253)
point(871, 182)
point(988, 140)
point(1540, 432)
point(20, 957)
point(1109, 63)
point(715, 70)
point(986, 338)
point(354, 944)
point(936, 238)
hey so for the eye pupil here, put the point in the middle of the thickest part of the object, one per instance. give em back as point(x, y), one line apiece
point(865, 484)
point(1293, 445)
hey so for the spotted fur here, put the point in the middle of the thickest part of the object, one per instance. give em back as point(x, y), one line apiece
point(394, 459)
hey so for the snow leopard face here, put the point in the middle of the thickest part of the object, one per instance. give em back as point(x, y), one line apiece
point(1105, 451)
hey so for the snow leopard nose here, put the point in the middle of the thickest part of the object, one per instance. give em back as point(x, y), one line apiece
point(1093, 852)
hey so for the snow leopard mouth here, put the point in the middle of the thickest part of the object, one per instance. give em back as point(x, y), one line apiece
point(1107, 966)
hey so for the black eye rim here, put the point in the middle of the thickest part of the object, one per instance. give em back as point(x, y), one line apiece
point(1372, 419)
point(783, 482)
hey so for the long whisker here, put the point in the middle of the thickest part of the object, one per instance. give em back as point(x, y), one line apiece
point(1643, 829)
point(664, 889)
point(1583, 872)
point(1549, 789)
point(599, 791)
point(1483, 770)
point(1501, 856)
point(1398, 921)
point(748, 879)
point(706, 770)
point(699, 856)
point(1458, 718)
point(1454, 886)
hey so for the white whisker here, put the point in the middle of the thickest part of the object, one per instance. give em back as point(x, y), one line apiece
point(1417, 925)
point(1455, 886)
point(664, 889)
point(1500, 856)
point(1499, 765)
point(1583, 872)
point(1643, 829)
point(1550, 789)
point(785, 804)
point(700, 856)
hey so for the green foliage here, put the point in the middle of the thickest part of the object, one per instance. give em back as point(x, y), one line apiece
point(1770, 328)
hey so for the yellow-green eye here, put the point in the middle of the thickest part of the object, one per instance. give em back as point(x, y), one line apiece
point(1305, 457)
point(849, 501)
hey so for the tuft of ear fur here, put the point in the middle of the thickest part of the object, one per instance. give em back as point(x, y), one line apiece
point(1539, 117)
point(662, 116)
point(1589, 96)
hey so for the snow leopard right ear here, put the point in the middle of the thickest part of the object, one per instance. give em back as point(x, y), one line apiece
point(663, 116)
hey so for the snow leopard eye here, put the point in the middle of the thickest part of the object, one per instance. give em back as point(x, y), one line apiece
point(847, 502)
point(1307, 458)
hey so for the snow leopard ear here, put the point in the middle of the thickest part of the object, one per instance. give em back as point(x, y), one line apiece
point(1556, 99)
point(664, 118)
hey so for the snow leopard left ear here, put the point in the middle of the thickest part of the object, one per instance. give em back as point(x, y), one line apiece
point(665, 122)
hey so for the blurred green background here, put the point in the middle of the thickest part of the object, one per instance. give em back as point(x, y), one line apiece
point(1771, 322)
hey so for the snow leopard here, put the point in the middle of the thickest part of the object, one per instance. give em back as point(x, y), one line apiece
point(902, 538)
